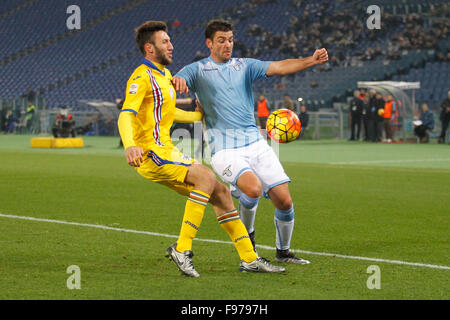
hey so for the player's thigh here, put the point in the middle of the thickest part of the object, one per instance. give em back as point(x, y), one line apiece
point(202, 177)
point(167, 167)
point(267, 167)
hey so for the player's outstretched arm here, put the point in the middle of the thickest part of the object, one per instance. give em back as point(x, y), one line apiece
point(289, 66)
point(133, 153)
point(182, 116)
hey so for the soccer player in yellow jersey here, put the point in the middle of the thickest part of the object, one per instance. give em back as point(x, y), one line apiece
point(145, 120)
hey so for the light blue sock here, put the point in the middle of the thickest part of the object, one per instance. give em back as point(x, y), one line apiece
point(284, 224)
point(247, 211)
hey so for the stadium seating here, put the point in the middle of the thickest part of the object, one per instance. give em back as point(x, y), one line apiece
point(95, 62)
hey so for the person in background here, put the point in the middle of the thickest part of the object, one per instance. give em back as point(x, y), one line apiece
point(263, 110)
point(29, 115)
point(379, 110)
point(11, 121)
point(64, 124)
point(424, 125)
point(303, 116)
point(3, 120)
point(445, 118)
point(355, 115)
point(119, 105)
point(365, 115)
point(288, 103)
point(389, 112)
point(372, 116)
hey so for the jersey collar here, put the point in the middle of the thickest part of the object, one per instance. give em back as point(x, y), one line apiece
point(219, 63)
point(154, 65)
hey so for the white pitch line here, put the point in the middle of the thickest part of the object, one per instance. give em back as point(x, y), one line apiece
point(388, 161)
point(156, 234)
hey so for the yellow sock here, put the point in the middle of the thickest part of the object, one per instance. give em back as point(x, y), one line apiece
point(238, 234)
point(193, 216)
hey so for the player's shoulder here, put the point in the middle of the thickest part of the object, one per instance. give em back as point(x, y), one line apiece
point(168, 73)
point(194, 66)
point(139, 74)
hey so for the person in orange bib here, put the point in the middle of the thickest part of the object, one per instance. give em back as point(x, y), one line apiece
point(389, 112)
point(263, 109)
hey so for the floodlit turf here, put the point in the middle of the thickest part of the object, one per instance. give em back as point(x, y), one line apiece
point(376, 201)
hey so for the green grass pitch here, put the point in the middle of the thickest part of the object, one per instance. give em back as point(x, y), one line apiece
point(356, 205)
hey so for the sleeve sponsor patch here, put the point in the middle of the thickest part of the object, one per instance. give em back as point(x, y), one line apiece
point(133, 88)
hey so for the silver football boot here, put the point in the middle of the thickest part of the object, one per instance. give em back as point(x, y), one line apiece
point(260, 265)
point(183, 260)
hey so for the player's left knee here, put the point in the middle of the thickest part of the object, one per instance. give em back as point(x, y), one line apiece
point(285, 203)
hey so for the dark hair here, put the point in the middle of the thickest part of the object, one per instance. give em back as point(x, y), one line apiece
point(217, 25)
point(144, 33)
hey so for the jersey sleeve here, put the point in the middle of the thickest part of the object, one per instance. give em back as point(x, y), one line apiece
point(256, 69)
point(182, 116)
point(189, 73)
point(136, 90)
point(125, 125)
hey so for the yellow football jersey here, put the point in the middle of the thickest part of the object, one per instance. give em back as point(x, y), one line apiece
point(151, 96)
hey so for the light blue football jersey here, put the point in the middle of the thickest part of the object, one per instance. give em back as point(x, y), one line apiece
point(226, 95)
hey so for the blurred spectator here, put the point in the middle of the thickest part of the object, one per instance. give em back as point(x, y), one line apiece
point(64, 124)
point(365, 116)
point(379, 122)
point(10, 122)
point(389, 112)
point(288, 103)
point(86, 130)
point(263, 111)
point(445, 118)
point(304, 119)
point(2, 120)
point(372, 116)
point(393, 55)
point(424, 124)
point(29, 115)
point(356, 107)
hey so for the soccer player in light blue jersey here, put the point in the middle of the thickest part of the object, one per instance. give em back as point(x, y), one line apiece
point(240, 154)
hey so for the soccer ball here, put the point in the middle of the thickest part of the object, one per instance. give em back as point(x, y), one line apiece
point(380, 112)
point(283, 126)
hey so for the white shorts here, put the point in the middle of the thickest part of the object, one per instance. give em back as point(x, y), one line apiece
point(258, 157)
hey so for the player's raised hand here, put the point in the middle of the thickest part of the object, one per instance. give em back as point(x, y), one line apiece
point(320, 56)
point(134, 156)
point(180, 85)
